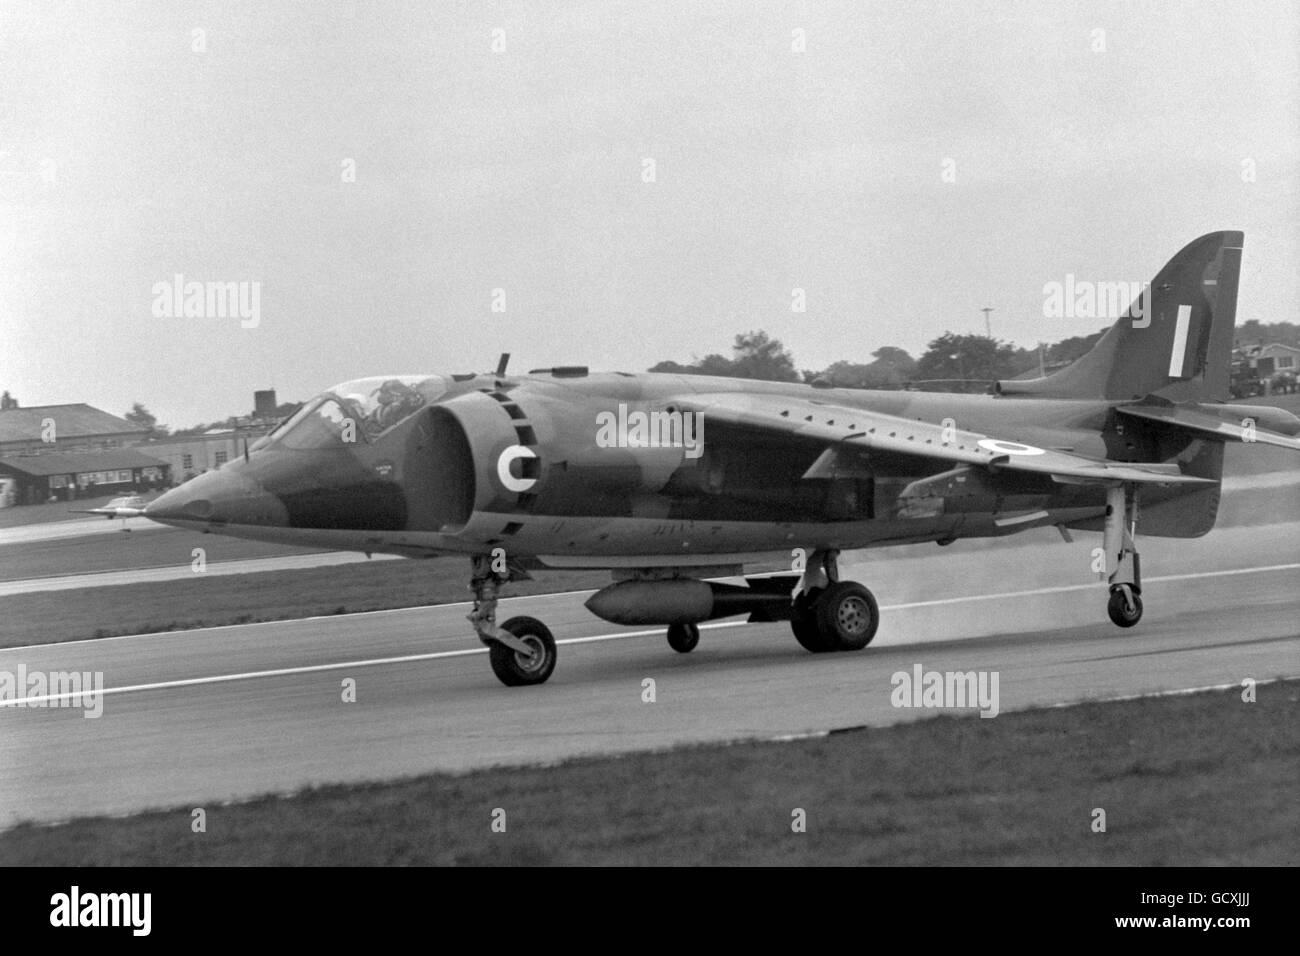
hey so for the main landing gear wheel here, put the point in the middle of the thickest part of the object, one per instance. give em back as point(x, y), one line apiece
point(516, 668)
point(1124, 606)
point(683, 637)
point(804, 624)
point(841, 617)
point(848, 615)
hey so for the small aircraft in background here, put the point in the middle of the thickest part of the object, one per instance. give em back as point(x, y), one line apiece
point(673, 482)
point(126, 506)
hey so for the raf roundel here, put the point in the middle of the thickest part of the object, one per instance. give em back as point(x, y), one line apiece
point(1008, 447)
point(517, 485)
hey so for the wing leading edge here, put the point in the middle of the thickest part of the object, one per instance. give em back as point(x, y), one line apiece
point(825, 422)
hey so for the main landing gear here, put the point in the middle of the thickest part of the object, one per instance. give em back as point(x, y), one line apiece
point(830, 614)
point(1125, 604)
point(522, 650)
point(825, 613)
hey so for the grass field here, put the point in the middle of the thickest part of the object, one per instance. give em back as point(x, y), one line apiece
point(1187, 780)
point(51, 616)
point(18, 516)
point(154, 548)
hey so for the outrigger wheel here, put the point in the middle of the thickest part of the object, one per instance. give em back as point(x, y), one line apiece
point(1118, 534)
point(683, 637)
point(1124, 606)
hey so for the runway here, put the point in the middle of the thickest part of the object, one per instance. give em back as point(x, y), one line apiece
point(197, 717)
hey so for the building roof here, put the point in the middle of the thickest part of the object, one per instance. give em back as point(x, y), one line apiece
point(60, 464)
point(70, 421)
point(172, 442)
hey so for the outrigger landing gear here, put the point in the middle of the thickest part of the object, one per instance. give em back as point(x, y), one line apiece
point(830, 614)
point(522, 650)
point(683, 637)
point(1125, 604)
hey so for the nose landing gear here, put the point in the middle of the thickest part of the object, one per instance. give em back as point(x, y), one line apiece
point(516, 668)
point(522, 650)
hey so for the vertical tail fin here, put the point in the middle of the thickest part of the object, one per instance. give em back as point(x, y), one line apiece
point(1175, 341)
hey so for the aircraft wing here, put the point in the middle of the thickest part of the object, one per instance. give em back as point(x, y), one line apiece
point(118, 512)
point(1199, 421)
point(831, 423)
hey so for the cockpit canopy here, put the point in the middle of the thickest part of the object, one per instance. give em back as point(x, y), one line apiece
point(357, 411)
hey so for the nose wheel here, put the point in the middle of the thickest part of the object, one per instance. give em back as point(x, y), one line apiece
point(516, 668)
point(522, 650)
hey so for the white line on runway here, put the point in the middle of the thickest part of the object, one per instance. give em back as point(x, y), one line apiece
point(318, 668)
point(1263, 569)
point(591, 639)
point(1088, 587)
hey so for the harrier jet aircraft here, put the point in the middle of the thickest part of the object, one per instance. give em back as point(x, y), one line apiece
point(674, 481)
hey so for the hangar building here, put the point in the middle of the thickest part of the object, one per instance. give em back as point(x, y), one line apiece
point(73, 451)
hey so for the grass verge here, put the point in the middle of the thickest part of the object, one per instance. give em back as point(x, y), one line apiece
point(48, 617)
point(1187, 780)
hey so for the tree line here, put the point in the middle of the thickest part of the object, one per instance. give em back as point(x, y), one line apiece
point(951, 363)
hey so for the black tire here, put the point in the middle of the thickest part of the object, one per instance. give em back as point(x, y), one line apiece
point(804, 623)
point(511, 667)
point(847, 615)
point(1118, 608)
point(683, 637)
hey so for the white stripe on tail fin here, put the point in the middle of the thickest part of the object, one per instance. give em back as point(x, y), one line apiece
point(1178, 354)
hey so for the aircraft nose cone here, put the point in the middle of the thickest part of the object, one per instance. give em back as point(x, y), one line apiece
point(179, 503)
point(225, 496)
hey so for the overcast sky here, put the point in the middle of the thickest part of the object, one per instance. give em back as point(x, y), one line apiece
point(127, 157)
